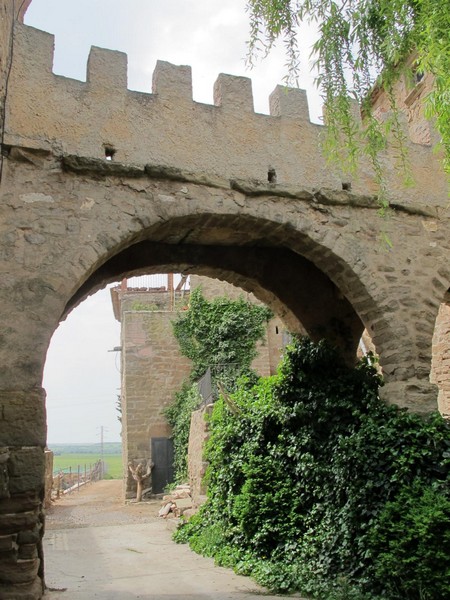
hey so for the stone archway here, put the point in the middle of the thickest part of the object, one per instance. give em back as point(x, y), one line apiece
point(91, 227)
point(181, 193)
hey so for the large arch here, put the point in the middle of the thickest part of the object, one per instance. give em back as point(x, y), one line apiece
point(302, 259)
point(181, 193)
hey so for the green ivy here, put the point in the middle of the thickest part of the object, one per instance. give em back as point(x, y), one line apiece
point(221, 335)
point(301, 478)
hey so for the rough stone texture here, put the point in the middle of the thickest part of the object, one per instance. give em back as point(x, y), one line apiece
point(309, 251)
point(198, 435)
point(410, 94)
point(26, 469)
point(22, 417)
point(440, 373)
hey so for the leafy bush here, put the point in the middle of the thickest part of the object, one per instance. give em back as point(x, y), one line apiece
point(301, 479)
point(411, 544)
point(222, 335)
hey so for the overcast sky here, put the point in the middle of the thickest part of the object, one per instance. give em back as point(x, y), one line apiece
point(82, 378)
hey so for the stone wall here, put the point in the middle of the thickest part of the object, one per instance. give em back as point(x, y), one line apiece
point(410, 92)
point(188, 191)
point(440, 374)
point(251, 144)
point(198, 436)
point(152, 370)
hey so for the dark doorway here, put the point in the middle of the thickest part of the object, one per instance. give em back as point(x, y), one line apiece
point(162, 458)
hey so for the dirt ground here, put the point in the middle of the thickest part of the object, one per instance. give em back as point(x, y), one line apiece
point(97, 547)
point(98, 504)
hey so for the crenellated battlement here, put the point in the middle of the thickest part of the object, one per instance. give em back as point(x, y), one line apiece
point(166, 126)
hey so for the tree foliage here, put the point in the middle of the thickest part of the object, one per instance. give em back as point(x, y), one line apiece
point(361, 42)
point(316, 485)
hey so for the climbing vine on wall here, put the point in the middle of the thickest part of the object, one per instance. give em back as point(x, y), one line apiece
point(221, 335)
point(318, 486)
point(220, 332)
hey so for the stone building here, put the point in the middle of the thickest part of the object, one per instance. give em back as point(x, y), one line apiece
point(153, 368)
point(184, 186)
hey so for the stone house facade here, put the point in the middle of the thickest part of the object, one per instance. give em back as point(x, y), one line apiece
point(153, 368)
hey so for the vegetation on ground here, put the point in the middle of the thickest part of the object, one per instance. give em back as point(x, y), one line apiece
point(316, 485)
point(108, 448)
point(113, 462)
point(221, 335)
point(362, 43)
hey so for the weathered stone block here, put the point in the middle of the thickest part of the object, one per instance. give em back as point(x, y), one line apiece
point(22, 418)
point(27, 552)
point(107, 69)
point(8, 543)
point(172, 81)
point(30, 536)
point(19, 571)
point(289, 102)
point(233, 93)
point(26, 470)
point(20, 503)
point(15, 522)
point(27, 591)
point(417, 395)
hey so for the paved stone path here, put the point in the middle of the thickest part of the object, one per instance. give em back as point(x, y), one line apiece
point(98, 548)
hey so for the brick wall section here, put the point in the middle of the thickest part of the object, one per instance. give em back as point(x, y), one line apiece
point(440, 373)
point(152, 370)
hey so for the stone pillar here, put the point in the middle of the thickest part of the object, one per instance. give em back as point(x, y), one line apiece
point(22, 466)
point(198, 436)
point(440, 373)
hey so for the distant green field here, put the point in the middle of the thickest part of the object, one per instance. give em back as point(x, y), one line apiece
point(113, 463)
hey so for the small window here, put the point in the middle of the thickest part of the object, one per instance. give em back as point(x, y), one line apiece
point(109, 152)
point(271, 175)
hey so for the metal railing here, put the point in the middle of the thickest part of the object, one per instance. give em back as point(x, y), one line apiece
point(68, 479)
